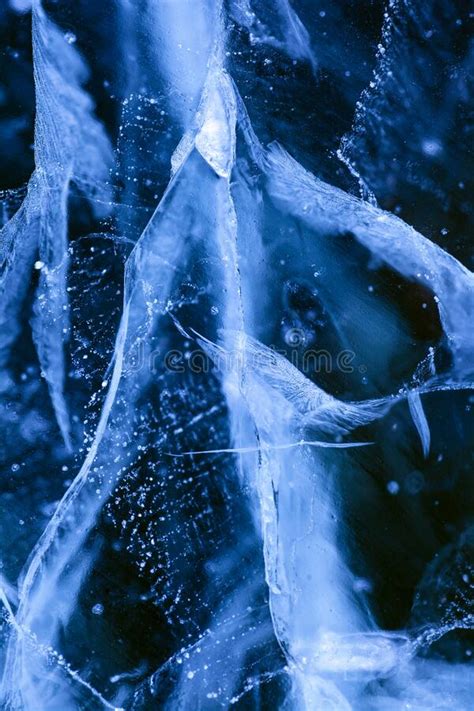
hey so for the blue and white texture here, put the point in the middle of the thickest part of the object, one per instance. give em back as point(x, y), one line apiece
point(236, 355)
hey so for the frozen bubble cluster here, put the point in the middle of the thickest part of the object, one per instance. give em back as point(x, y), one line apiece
point(236, 355)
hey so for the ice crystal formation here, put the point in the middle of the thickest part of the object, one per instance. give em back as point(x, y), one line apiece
point(236, 355)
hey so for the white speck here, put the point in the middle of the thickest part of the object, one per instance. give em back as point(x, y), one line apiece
point(20, 5)
point(362, 585)
point(431, 147)
point(393, 487)
point(39, 265)
point(98, 609)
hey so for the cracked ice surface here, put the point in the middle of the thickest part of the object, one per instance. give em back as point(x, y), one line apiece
point(236, 355)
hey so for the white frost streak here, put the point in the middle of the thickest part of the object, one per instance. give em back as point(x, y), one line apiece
point(419, 418)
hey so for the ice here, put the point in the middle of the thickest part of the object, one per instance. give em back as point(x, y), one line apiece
point(277, 25)
point(21, 5)
point(69, 144)
point(415, 140)
point(421, 423)
point(326, 208)
point(263, 382)
point(185, 34)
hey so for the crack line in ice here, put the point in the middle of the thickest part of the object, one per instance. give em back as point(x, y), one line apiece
point(51, 654)
point(264, 448)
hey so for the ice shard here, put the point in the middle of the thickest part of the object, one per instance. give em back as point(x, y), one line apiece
point(69, 144)
point(259, 356)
